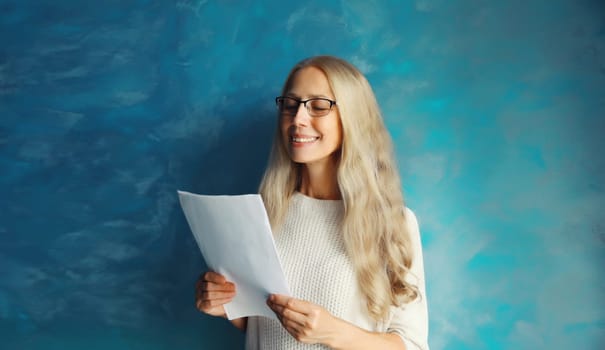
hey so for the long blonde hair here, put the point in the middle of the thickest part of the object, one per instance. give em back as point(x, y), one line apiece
point(374, 225)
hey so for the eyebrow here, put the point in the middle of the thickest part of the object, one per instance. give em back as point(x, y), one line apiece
point(289, 94)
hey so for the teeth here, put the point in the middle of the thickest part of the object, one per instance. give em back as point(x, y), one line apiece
point(304, 139)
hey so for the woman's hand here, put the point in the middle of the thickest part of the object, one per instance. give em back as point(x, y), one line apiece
point(305, 321)
point(212, 291)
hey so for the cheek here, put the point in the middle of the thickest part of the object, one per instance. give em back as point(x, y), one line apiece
point(336, 131)
point(339, 128)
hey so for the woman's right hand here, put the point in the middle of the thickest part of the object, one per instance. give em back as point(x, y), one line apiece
point(212, 291)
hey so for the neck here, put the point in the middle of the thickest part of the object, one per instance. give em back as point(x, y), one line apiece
point(319, 180)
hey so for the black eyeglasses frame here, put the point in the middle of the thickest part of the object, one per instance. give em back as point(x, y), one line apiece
point(304, 103)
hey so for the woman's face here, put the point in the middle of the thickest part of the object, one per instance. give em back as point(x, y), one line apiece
point(311, 140)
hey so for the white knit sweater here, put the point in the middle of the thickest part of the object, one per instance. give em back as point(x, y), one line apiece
point(311, 250)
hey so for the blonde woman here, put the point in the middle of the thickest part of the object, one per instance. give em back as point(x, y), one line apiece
point(349, 247)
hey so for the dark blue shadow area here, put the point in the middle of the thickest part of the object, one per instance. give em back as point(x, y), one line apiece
point(102, 121)
point(95, 245)
point(237, 158)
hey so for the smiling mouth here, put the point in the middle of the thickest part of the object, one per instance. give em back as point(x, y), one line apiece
point(303, 139)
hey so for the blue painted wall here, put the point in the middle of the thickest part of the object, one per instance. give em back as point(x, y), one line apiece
point(497, 110)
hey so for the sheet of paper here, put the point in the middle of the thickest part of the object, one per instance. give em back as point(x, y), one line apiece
point(234, 235)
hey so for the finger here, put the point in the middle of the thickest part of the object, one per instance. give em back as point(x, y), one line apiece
point(209, 286)
point(286, 315)
point(278, 299)
point(295, 318)
point(208, 304)
point(276, 309)
point(211, 276)
point(294, 304)
point(216, 295)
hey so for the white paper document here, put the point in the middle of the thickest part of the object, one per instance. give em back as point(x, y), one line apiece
point(234, 235)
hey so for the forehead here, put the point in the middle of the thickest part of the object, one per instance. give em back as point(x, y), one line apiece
point(310, 82)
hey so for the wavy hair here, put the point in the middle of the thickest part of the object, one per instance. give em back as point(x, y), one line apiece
point(374, 226)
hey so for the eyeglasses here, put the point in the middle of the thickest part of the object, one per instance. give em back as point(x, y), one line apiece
point(316, 107)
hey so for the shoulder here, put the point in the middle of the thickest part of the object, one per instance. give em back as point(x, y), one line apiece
point(410, 218)
point(412, 226)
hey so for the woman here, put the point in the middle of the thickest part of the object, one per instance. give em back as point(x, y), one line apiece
point(350, 249)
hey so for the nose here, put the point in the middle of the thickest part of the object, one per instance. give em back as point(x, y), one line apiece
point(302, 115)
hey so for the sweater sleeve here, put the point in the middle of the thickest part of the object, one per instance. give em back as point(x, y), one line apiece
point(410, 321)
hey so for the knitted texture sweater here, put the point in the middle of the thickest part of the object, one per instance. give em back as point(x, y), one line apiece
point(312, 253)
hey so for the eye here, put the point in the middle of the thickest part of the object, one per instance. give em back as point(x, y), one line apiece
point(288, 105)
point(320, 105)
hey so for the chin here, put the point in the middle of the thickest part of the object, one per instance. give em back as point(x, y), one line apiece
point(300, 159)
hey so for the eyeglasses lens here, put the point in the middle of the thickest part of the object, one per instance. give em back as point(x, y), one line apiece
point(315, 107)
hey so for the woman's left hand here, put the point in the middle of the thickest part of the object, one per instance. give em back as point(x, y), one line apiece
point(305, 321)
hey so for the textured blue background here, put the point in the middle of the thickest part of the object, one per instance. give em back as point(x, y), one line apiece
point(497, 109)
